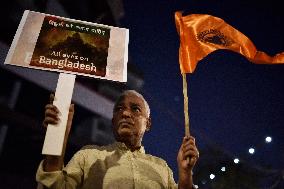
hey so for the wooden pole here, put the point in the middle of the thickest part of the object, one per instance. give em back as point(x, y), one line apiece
point(185, 101)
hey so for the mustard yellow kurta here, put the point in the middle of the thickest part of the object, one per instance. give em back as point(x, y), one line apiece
point(110, 167)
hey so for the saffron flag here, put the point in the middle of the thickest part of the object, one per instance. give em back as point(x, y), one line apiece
point(201, 34)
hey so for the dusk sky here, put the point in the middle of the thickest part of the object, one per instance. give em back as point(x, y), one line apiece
point(233, 103)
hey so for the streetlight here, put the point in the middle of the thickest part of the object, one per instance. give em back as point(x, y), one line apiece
point(251, 150)
point(268, 139)
point(236, 160)
point(212, 176)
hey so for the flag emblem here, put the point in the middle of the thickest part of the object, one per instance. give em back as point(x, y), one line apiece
point(215, 37)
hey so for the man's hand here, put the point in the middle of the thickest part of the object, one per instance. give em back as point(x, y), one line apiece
point(54, 163)
point(52, 115)
point(187, 156)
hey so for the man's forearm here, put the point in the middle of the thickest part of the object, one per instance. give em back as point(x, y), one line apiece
point(185, 180)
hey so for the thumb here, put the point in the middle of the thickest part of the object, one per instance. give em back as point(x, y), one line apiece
point(51, 98)
point(70, 119)
point(192, 161)
point(68, 127)
point(71, 110)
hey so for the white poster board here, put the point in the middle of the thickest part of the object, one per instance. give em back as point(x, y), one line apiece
point(54, 43)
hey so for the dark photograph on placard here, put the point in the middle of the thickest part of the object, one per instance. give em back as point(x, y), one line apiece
point(72, 46)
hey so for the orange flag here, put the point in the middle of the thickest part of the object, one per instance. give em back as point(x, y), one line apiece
point(201, 34)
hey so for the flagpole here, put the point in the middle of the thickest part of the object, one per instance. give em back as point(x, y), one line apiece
point(185, 101)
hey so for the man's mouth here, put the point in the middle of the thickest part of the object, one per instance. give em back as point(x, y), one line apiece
point(125, 124)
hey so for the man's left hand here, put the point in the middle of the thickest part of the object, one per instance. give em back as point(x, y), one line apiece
point(188, 154)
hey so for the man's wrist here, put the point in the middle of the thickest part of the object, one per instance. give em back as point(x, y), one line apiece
point(185, 179)
point(52, 163)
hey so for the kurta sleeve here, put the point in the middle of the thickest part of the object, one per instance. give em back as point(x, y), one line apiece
point(69, 178)
point(171, 182)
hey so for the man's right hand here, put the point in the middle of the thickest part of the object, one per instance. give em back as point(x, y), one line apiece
point(54, 163)
point(51, 115)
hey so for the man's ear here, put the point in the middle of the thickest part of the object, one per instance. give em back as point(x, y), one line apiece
point(149, 124)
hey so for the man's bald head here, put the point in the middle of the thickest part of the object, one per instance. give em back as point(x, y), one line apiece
point(133, 92)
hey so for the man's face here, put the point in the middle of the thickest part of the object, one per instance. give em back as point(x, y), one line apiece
point(130, 118)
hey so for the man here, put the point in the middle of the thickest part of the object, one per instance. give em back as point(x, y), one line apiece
point(123, 164)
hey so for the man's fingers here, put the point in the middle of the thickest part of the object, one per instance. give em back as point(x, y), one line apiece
point(188, 139)
point(49, 120)
point(189, 145)
point(191, 153)
point(189, 148)
point(52, 107)
point(51, 113)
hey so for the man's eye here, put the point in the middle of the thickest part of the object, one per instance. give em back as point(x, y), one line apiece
point(136, 109)
point(119, 108)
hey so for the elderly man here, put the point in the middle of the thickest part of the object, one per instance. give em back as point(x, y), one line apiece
point(123, 164)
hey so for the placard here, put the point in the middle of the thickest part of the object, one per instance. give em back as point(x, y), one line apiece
point(54, 43)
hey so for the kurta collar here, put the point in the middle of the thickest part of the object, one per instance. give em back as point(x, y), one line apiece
point(123, 147)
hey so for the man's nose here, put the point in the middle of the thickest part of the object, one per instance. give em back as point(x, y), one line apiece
point(126, 113)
